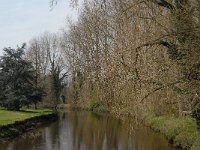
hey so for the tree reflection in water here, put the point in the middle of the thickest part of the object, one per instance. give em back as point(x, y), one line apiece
point(89, 131)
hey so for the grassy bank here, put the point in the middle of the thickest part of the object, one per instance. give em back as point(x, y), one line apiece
point(15, 123)
point(182, 131)
point(9, 117)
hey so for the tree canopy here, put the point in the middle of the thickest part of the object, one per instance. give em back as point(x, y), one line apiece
point(16, 79)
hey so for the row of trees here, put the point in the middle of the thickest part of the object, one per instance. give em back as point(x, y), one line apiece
point(51, 72)
point(136, 56)
point(30, 74)
point(128, 56)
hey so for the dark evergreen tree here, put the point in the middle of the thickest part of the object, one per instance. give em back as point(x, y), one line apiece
point(17, 76)
point(57, 84)
point(35, 96)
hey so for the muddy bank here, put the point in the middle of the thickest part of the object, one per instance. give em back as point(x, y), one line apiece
point(11, 131)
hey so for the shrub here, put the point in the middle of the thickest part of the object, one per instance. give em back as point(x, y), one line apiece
point(196, 144)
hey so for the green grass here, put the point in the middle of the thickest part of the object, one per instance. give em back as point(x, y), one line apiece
point(9, 117)
point(183, 131)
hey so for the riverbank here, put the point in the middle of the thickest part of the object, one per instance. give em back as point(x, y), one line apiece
point(182, 132)
point(15, 123)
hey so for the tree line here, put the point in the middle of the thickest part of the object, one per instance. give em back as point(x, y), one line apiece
point(136, 56)
point(130, 56)
point(30, 74)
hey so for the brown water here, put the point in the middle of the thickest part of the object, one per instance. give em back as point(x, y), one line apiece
point(89, 131)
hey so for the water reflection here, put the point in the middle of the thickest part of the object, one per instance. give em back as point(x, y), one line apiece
point(89, 131)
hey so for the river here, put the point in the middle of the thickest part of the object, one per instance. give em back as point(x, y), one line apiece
point(89, 131)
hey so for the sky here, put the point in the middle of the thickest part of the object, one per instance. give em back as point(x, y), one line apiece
point(21, 20)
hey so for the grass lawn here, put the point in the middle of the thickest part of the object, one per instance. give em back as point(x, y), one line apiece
point(9, 117)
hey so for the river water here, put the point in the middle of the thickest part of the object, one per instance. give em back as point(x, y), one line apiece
point(89, 131)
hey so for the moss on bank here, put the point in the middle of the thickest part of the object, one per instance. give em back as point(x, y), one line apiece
point(15, 123)
point(182, 131)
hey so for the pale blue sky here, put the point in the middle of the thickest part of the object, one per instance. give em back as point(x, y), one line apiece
point(21, 20)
